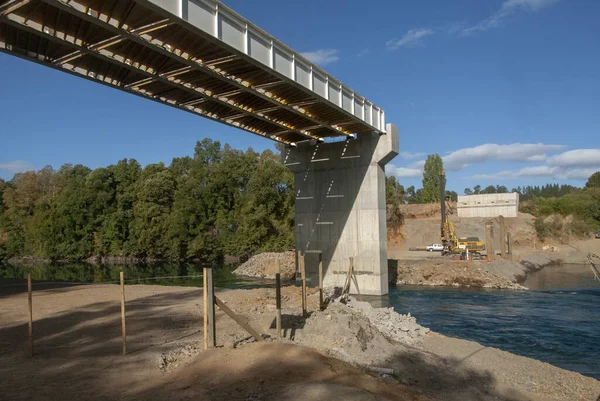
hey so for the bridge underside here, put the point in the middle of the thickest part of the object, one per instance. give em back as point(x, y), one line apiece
point(139, 47)
point(201, 57)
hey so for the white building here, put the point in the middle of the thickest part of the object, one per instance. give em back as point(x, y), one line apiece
point(488, 205)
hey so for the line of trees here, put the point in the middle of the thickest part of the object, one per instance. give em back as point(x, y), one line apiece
point(527, 192)
point(219, 202)
point(582, 205)
point(430, 193)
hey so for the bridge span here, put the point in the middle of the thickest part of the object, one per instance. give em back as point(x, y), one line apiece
point(202, 57)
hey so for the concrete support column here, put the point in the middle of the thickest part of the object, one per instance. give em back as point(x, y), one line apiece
point(341, 208)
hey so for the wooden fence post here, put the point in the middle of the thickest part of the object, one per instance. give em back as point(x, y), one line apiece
point(123, 330)
point(239, 320)
point(320, 281)
point(205, 314)
point(303, 274)
point(210, 338)
point(278, 297)
point(30, 304)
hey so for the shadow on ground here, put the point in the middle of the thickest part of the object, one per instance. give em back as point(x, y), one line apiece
point(77, 356)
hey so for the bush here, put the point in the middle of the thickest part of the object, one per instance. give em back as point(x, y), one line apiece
point(562, 229)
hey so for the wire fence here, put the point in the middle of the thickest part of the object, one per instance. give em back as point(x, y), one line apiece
point(85, 321)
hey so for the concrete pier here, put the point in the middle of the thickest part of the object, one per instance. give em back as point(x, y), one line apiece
point(341, 208)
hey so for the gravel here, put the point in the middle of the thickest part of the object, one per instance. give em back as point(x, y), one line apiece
point(499, 274)
point(265, 265)
point(393, 325)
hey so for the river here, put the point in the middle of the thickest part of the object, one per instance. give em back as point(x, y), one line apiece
point(557, 321)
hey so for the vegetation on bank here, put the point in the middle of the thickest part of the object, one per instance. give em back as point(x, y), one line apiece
point(575, 214)
point(219, 202)
point(563, 211)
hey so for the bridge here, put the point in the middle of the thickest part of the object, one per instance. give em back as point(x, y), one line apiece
point(202, 57)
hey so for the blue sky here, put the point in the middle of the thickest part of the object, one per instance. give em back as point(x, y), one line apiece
point(507, 91)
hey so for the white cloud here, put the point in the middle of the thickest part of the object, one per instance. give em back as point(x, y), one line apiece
point(576, 164)
point(322, 56)
point(411, 155)
point(410, 38)
point(576, 158)
point(557, 173)
point(532, 5)
point(403, 172)
point(536, 171)
point(16, 166)
point(508, 8)
point(519, 152)
point(363, 52)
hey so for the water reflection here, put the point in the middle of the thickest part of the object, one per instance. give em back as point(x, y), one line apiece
point(562, 277)
point(173, 273)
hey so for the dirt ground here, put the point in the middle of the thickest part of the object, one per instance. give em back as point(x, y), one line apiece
point(78, 353)
point(425, 230)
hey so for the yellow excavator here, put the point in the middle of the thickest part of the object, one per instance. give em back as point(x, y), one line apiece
point(452, 243)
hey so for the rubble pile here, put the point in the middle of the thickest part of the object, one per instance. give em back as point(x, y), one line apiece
point(265, 265)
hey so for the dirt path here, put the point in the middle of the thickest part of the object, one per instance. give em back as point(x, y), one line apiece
point(78, 345)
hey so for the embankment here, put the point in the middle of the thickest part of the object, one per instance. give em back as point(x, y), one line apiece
point(266, 265)
point(499, 274)
point(165, 360)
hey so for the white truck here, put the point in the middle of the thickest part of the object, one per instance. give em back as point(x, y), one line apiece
point(435, 247)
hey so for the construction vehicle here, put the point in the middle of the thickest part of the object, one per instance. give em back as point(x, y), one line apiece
point(451, 242)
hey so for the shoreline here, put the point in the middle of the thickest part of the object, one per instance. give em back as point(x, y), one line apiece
point(164, 324)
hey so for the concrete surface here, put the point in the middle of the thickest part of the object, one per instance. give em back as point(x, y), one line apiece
point(488, 205)
point(341, 210)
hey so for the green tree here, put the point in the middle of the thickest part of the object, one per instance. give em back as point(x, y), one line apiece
point(218, 201)
point(468, 191)
point(593, 181)
point(394, 191)
point(431, 178)
point(476, 189)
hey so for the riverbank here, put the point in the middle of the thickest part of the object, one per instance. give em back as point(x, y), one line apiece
point(501, 274)
point(319, 358)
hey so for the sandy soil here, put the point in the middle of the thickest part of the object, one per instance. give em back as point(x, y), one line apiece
point(481, 274)
point(425, 230)
point(78, 346)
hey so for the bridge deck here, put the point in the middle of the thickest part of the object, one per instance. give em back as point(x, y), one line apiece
point(196, 55)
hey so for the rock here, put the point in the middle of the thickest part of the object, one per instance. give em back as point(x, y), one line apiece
point(265, 265)
point(497, 274)
point(536, 260)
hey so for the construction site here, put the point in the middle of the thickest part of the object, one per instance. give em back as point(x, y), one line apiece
point(322, 323)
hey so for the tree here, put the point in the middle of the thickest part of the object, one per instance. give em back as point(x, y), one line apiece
point(417, 197)
point(593, 181)
point(468, 191)
point(490, 189)
point(476, 189)
point(394, 191)
point(431, 178)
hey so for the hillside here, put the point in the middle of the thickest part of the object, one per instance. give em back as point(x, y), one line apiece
point(422, 227)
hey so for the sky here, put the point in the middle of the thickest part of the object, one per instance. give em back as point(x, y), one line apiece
point(506, 91)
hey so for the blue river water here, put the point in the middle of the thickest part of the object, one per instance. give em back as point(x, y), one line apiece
point(556, 321)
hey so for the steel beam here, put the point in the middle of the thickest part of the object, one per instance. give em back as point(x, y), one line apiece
point(12, 20)
point(116, 59)
point(74, 8)
point(12, 6)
